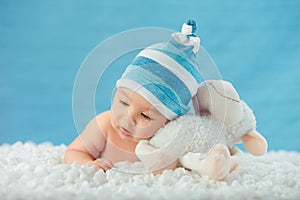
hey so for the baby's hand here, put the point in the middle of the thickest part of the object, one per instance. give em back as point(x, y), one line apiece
point(102, 163)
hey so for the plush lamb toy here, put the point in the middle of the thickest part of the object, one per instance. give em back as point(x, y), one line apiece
point(204, 141)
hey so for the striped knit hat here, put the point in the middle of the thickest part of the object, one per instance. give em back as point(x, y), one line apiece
point(166, 74)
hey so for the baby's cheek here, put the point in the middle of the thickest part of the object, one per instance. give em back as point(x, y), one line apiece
point(148, 131)
point(118, 112)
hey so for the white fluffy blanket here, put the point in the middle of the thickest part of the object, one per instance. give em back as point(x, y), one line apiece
point(30, 171)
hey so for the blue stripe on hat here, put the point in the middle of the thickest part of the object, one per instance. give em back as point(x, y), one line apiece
point(157, 87)
point(181, 57)
point(134, 86)
point(166, 76)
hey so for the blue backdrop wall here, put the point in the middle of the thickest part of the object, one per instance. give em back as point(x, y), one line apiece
point(255, 44)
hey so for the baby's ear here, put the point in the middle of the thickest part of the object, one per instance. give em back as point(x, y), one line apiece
point(255, 143)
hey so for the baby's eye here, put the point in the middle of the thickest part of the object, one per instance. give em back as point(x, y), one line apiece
point(145, 116)
point(124, 103)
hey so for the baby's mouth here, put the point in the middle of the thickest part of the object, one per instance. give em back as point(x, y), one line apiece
point(126, 132)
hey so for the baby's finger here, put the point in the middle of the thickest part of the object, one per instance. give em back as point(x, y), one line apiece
point(103, 164)
point(107, 163)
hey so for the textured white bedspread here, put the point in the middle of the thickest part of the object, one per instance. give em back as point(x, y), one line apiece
point(30, 171)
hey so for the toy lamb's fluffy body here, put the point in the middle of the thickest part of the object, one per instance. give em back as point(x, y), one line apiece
point(198, 134)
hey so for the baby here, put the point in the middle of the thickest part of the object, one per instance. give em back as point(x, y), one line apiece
point(154, 89)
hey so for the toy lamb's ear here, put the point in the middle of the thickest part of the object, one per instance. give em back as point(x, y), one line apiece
point(255, 143)
point(220, 99)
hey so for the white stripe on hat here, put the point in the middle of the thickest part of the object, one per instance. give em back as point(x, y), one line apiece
point(173, 66)
point(148, 96)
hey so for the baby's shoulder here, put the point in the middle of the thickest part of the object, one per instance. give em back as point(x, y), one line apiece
point(103, 116)
point(104, 120)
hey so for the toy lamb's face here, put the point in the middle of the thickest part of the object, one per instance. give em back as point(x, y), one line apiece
point(220, 100)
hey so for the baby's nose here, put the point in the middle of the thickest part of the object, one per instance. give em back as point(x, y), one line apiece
point(132, 116)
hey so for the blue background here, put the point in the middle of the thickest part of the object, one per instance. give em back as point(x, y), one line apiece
point(255, 44)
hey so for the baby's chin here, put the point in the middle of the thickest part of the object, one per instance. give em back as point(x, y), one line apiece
point(135, 138)
point(138, 138)
point(140, 134)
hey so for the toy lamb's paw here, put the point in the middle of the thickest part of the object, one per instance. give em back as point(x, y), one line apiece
point(255, 143)
point(154, 159)
point(217, 164)
point(145, 152)
point(192, 161)
point(144, 147)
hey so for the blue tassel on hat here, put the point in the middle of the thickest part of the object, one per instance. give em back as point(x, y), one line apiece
point(189, 28)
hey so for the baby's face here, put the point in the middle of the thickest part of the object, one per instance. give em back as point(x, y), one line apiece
point(134, 116)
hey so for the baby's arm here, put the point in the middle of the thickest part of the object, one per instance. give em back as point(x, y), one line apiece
point(86, 147)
